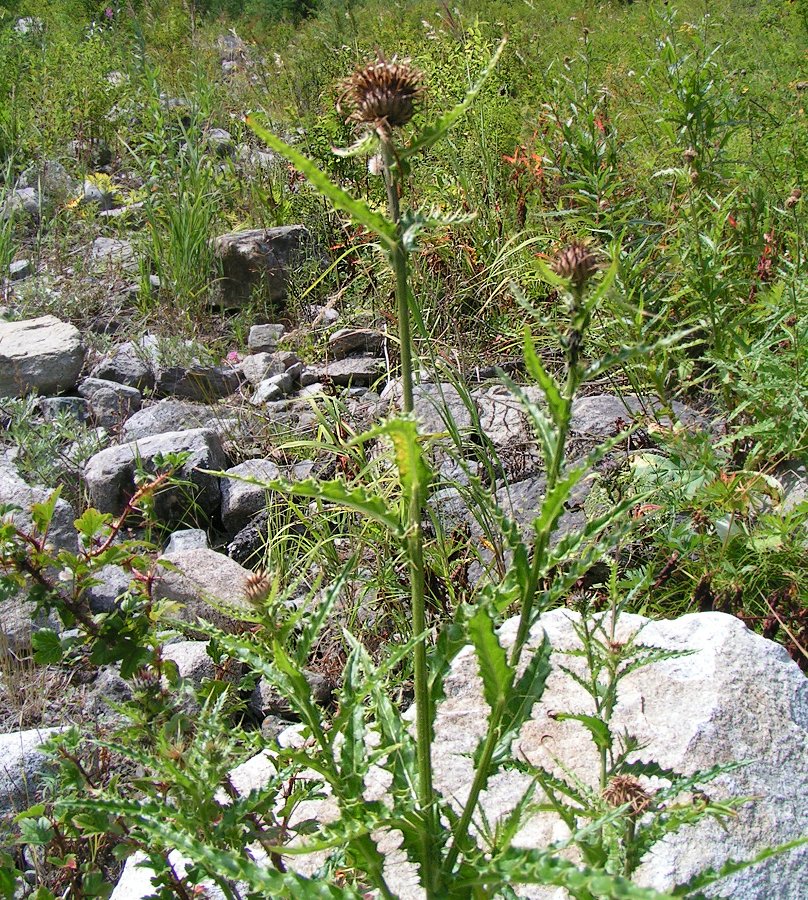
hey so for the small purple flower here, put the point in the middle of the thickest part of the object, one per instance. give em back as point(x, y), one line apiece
point(109, 12)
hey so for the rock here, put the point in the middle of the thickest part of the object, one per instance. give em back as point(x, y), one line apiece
point(113, 253)
point(361, 370)
point(600, 415)
point(22, 767)
point(138, 882)
point(132, 364)
point(109, 475)
point(433, 403)
point(271, 389)
point(175, 415)
point(220, 141)
point(191, 659)
point(111, 403)
point(738, 697)
point(43, 355)
point(249, 545)
point(21, 268)
point(92, 193)
point(51, 179)
point(351, 341)
point(16, 492)
point(197, 382)
point(258, 366)
point(210, 585)
point(254, 161)
point(265, 700)
point(241, 501)
point(53, 407)
point(187, 539)
point(113, 583)
point(320, 315)
point(264, 338)
point(504, 422)
point(29, 25)
point(231, 46)
point(793, 477)
point(23, 200)
point(260, 257)
point(108, 690)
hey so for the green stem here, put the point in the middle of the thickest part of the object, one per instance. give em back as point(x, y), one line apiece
point(528, 601)
point(415, 555)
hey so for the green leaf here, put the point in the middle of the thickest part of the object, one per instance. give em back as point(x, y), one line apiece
point(36, 831)
point(434, 132)
point(358, 210)
point(357, 498)
point(413, 472)
point(91, 521)
point(548, 384)
point(528, 689)
point(496, 673)
point(42, 513)
point(601, 734)
point(47, 647)
point(710, 876)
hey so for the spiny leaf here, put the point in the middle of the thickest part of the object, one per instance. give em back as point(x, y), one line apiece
point(555, 402)
point(496, 673)
point(358, 210)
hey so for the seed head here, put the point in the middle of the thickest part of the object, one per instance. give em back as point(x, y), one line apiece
point(623, 789)
point(577, 263)
point(382, 94)
point(258, 587)
point(794, 199)
point(689, 155)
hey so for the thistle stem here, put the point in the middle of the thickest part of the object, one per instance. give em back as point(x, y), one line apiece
point(415, 553)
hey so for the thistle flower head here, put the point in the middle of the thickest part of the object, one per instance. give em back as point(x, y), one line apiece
point(381, 93)
point(623, 789)
point(577, 262)
point(258, 587)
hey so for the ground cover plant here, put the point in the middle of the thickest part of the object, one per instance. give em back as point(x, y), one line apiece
point(575, 208)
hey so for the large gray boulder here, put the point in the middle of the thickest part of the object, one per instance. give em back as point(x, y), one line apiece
point(110, 475)
point(43, 356)
point(259, 257)
point(738, 697)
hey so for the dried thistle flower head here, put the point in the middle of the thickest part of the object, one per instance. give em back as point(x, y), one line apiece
point(623, 789)
point(577, 262)
point(794, 198)
point(382, 94)
point(689, 155)
point(258, 587)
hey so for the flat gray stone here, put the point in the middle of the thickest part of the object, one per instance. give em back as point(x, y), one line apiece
point(43, 356)
point(113, 253)
point(132, 363)
point(174, 415)
point(351, 341)
point(19, 269)
point(198, 382)
point(356, 370)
